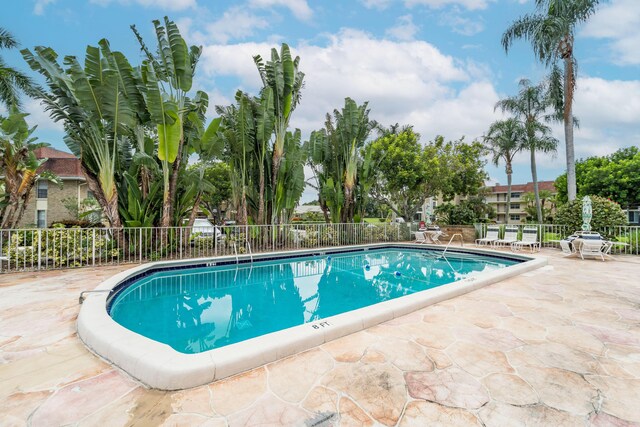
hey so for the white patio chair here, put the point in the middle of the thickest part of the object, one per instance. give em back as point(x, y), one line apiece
point(567, 247)
point(592, 247)
point(510, 236)
point(529, 239)
point(421, 237)
point(435, 233)
point(490, 237)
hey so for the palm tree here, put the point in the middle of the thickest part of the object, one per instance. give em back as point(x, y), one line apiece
point(530, 107)
point(11, 80)
point(18, 166)
point(335, 158)
point(282, 75)
point(504, 140)
point(551, 32)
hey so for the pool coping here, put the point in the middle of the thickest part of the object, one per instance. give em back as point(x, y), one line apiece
point(159, 366)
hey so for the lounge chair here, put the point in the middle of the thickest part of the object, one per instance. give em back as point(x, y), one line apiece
point(592, 244)
point(529, 239)
point(421, 237)
point(510, 236)
point(490, 237)
point(567, 247)
point(591, 247)
point(434, 233)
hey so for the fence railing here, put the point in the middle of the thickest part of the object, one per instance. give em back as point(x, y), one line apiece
point(547, 233)
point(57, 248)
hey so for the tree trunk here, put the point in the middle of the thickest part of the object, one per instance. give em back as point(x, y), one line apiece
point(25, 196)
point(10, 188)
point(168, 205)
point(113, 216)
point(509, 172)
point(536, 191)
point(144, 182)
point(568, 127)
point(192, 219)
point(261, 197)
point(348, 202)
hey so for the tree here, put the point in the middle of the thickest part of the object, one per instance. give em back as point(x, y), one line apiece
point(504, 140)
point(547, 203)
point(167, 77)
point(12, 81)
point(18, 166)
point(98, 106)
point(616, 176)
point(551, 32)
point(406, 173)
point(285, 81)
point(219, 174)
point(605, 215)
point(335, 158)
point(530, 107)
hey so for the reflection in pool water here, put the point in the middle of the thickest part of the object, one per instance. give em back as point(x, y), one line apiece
point(195, 310)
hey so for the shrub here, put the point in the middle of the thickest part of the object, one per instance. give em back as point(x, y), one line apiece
point(605, 214)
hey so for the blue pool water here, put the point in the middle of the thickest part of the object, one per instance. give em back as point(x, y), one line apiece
point(199, 309)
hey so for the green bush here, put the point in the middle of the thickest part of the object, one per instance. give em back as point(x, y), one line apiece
point(605, 214)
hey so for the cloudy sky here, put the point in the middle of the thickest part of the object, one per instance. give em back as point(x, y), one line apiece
point(435, 64)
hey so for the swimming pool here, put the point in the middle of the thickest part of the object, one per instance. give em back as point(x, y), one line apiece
point(181, 324)
point(199, 309)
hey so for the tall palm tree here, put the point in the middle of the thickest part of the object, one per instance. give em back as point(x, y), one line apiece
point(12, 81)
point(504, 140)
point(551, 32)
point(282, 75)
point(530, 107)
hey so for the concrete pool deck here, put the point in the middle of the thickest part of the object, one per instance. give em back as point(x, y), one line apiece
point(556, 346)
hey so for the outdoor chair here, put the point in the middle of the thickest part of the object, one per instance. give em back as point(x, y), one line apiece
point(434, 232)
point(529, 239)
point(567, 247)
point(490, 237)
point(510, 236)
point(421, 237)
point(593, 247)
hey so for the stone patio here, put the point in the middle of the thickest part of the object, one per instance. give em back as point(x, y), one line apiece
point(559, 346)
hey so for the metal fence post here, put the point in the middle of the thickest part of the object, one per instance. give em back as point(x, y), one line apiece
point(39, 248)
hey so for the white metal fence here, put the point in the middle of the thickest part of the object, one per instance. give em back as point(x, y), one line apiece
point(57, 248)
point(628, 236)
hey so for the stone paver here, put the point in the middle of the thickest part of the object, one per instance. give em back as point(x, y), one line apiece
point(556, 347)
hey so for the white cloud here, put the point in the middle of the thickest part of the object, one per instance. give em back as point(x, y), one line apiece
point(608, 115)
point(460, 24)
point(37, 116)
point(299, 8)
point(404, 30)
point(619, 22)
point(405, 82)
point(40, 5)
point(438, 4)
point(236, 23)
point(160, 4)
point(376, 4)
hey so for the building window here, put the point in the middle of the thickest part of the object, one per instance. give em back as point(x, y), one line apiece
point(42, 219)
point(515, 217)
point(43, 189)
point(515, 195)
point(515, 205)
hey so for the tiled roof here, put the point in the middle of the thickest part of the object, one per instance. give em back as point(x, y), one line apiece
point(61, 163)
point(525, 188)
point(52, 153)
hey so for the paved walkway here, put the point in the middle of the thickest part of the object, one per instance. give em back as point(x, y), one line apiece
point(559, 346)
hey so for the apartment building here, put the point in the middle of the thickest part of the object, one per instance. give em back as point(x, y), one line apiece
point(497, 198)
point(47, 202)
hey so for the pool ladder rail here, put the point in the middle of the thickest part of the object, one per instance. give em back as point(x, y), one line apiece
point(248, 246)
point(451, 241)
point(95, 291)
